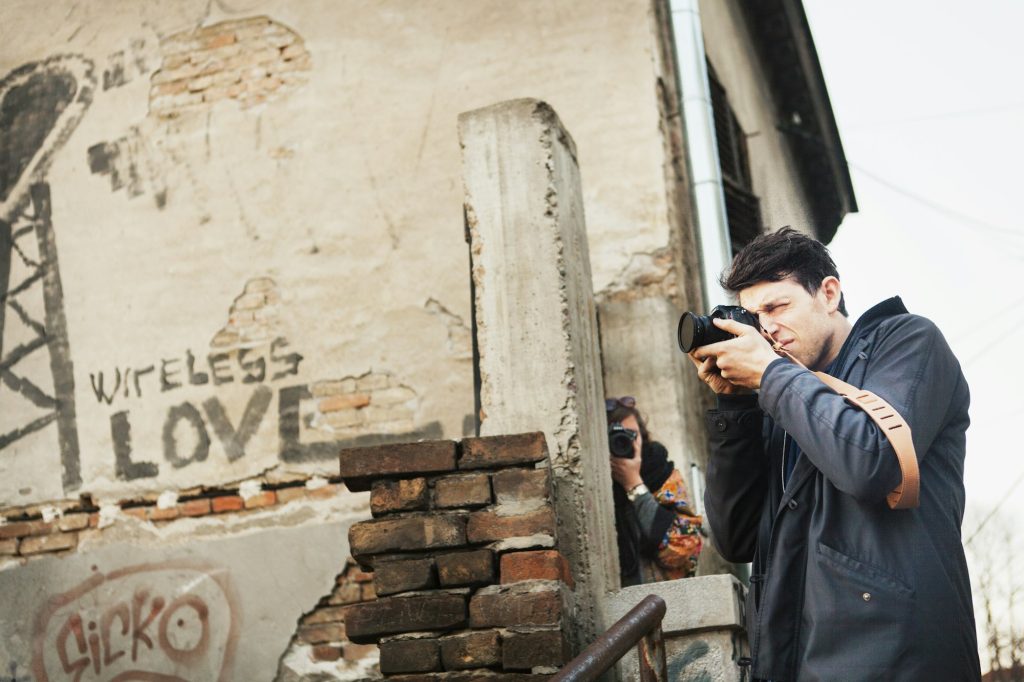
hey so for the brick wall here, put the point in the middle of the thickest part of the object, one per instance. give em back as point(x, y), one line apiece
point(27, 532)
point(323, 629)
point(469, 581)
point(375, 402)
point(248, 60)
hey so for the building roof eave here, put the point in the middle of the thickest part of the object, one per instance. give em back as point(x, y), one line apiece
point(782, 37)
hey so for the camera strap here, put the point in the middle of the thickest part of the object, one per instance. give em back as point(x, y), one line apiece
point(907, 494)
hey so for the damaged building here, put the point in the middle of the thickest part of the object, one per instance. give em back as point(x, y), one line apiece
point(281, 276)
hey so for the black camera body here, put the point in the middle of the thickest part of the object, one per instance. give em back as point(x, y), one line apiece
point(696, 330)
point(620, 440)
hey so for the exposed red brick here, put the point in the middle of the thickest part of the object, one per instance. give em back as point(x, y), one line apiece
point(137, 512)
point(511, 607)
point(393, 496)
point(467, 490)
point(37, 544)
point(368, 621)
point(19, 529)
point(294, 492)
point(358, 575)
point(170, 88)
point(521, 485)
point(325, 652)
point(526, 650)
point(325, 491)
point(471, 650)
point(325, 614)
point(406, 533)
point(367, 591)
point(392, 577)
point(357, 652)
point(486, 526)
point(350, 593)
point(165, 514)
point(94, 520)
point(73, 522)
point(350, 401)
point(357, 465)
point(322, 634)
point(198, 507)
point(501, 451)
point(466, 568)
point(545, 564)
point(265, 498)
point(227, 503)
point(218, 40)
point(409, 656)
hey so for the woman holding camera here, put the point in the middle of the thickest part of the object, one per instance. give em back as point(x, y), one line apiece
point(659, 535)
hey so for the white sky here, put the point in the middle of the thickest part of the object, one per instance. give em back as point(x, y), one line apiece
point(928, 97)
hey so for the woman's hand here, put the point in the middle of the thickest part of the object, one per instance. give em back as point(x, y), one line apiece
point(626, 472)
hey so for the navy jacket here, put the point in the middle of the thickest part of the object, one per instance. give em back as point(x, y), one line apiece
point(842, 587)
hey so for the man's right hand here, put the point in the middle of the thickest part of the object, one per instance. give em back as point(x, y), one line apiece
point(708, 372)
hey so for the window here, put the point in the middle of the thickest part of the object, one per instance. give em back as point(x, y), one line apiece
point(742, 207)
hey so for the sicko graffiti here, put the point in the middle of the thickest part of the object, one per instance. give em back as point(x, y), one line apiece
point(166, 623)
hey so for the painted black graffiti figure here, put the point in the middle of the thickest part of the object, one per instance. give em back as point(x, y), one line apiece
point(40, 105)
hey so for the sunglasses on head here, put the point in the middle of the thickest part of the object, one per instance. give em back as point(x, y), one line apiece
point(625, 401)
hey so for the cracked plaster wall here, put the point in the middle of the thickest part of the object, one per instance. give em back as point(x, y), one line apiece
point(253, 275)
point(337, 189)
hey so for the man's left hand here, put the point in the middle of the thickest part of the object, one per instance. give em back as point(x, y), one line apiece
point(742, 360)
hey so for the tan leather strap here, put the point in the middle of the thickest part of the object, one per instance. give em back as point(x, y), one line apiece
point(907, 494)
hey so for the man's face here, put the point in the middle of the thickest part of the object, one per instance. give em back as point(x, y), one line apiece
point(799, 321)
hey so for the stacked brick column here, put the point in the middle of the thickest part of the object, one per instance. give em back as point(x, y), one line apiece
point(470, 584)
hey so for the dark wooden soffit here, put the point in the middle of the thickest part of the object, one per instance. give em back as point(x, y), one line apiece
point(783, 40)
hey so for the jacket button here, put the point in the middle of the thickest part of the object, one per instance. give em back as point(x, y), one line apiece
point(721, 424)
point(793, 504)
point(866, 596)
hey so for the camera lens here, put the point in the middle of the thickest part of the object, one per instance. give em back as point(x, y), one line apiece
point(690, 332)
point(620, 444)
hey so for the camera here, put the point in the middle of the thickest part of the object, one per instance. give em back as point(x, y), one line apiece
point(620, 440)
point(699, 330)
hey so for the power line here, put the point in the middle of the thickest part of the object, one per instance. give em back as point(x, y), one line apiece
point(992, 513)
point(978, 328)
point(964, 113)
point(988, 348)
point(963, 217)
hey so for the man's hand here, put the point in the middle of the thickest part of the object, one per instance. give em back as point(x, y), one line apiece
point(626, 472)
point(736, 365)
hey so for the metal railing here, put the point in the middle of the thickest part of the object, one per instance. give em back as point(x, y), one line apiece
point(641, 627)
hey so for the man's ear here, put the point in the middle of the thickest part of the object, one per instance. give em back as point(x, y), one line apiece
point(832, 292)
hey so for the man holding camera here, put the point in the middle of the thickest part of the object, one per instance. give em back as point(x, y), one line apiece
point(842, 586)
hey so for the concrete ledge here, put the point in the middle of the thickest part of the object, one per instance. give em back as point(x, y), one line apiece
point(703, 603)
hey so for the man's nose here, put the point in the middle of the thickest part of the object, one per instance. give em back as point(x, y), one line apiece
point(767, 323)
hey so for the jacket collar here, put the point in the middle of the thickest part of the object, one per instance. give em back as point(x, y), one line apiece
point(875, 315)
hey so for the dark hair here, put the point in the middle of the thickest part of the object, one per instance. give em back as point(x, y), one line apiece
point(777, 255)
point(621, 412)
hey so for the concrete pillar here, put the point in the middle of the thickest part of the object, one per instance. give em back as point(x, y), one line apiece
point(703, 627)
point(641, 358)
point(539, 359)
